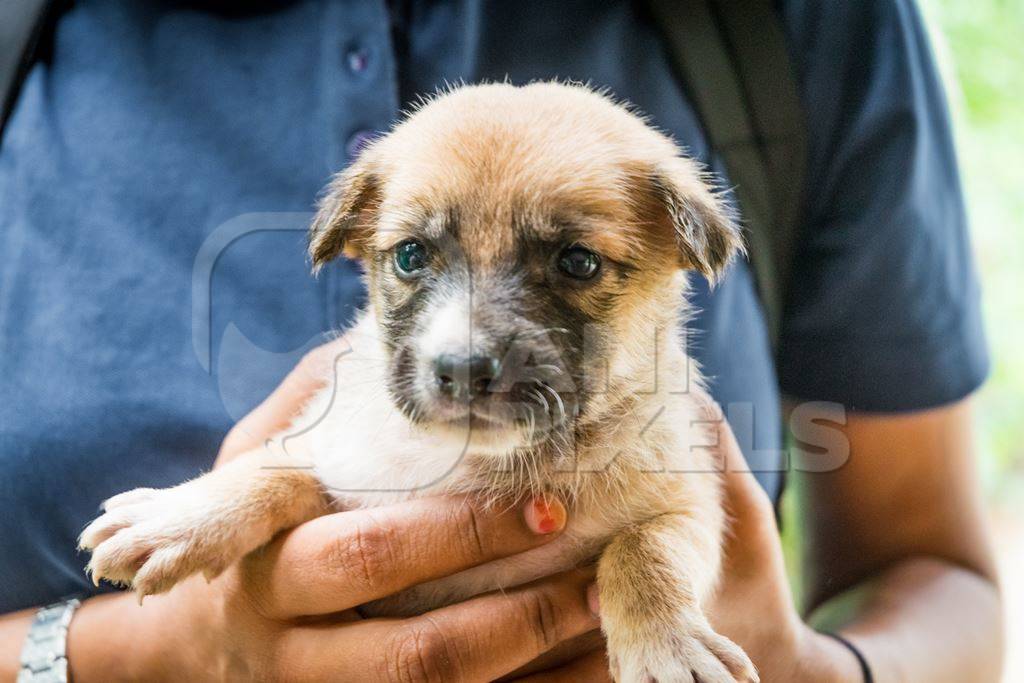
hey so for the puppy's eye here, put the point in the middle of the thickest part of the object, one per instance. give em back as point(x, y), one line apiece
point(410, 257)
point(579, 262)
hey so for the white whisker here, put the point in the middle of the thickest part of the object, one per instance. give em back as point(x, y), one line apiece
point(561, 405)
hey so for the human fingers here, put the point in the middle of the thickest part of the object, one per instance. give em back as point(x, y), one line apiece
point(591, 667)
point(477, 640)
point(346, 559)
point(743, 494)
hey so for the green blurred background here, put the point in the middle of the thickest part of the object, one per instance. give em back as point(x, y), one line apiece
point(979, 45)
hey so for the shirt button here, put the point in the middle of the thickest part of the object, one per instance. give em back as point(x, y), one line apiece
point(356, 143)
point(357, 59)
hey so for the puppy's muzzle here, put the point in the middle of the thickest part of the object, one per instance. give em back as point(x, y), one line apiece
point(464, 378)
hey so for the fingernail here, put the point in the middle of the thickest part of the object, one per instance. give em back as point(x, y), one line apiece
point(594, 599)
point(545, 515)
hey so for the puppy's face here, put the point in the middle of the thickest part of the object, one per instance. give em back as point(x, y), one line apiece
point(522, 246)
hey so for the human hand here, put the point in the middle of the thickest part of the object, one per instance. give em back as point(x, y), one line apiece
point(289, 589)
point(753, 605)
point(267, 619)
point(287, 611)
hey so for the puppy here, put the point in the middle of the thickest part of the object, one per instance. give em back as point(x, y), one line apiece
point(526, 254)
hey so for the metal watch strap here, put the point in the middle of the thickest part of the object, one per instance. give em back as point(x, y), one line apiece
point(44, 655)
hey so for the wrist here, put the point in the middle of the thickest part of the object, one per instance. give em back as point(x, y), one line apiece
point(13, 630)
point(113, 638)
point(823, 658)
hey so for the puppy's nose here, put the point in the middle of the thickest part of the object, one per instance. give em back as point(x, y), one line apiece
point(465, 377)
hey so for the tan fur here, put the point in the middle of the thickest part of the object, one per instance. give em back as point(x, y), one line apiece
point(640, 478)
point(200, 526)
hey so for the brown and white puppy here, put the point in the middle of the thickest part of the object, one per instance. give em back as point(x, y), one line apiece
point(526, 252)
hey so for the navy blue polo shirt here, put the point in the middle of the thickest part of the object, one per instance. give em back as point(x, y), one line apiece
point(163, 158)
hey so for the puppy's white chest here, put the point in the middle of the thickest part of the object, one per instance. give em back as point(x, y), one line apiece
point(367, 454)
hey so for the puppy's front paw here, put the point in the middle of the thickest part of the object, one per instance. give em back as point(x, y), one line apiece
point(687, 652)
point(150, 539)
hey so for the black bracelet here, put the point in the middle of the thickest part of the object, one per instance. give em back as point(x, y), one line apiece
point(864, 668)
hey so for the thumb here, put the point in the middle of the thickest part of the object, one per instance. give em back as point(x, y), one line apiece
point(749, 507)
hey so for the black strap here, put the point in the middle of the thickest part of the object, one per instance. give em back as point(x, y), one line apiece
point(22, 24)
point(865, 669)
point(733, 59)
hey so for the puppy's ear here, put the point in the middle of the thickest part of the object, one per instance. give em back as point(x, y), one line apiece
point(703, 226)
point(345, 214)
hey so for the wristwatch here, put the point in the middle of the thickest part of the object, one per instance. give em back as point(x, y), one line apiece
point(44, 656)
